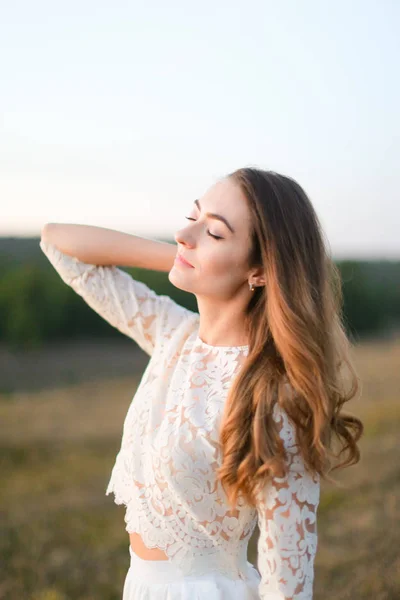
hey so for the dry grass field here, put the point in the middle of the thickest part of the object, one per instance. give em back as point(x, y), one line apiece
point(61, 538)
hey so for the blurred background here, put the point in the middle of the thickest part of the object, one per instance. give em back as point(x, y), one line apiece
point(120, 115)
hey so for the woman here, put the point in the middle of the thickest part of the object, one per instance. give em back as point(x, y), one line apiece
point(232, 424)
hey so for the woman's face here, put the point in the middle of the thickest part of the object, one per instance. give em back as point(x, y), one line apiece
point(219, 266)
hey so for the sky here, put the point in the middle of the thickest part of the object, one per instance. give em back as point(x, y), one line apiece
point(122, 114)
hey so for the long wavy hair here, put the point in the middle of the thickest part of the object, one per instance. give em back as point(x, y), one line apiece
point(297, 341)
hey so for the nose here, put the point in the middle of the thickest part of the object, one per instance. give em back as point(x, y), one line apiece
point(183, 238)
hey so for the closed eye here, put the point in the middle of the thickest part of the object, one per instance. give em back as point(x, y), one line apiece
point(217, 237)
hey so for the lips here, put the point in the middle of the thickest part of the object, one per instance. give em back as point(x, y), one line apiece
point(184, 259)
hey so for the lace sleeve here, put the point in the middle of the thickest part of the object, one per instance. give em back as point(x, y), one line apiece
point(287, 520)
point(127, 304)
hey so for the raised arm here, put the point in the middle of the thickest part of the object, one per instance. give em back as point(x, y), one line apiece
point(127, 304)
point(102, 246)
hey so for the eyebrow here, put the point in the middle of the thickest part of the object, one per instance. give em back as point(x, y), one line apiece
point(215, 216)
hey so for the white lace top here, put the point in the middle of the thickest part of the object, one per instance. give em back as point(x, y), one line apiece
point(164, 472)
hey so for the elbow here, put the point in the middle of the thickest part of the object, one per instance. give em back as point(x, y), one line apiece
point(45, 232)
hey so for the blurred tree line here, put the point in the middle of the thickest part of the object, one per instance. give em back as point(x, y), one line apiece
point(36, 306)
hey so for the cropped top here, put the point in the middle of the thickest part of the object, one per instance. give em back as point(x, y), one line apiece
point(164, 472)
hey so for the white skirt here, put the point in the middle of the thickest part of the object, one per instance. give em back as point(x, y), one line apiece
point(162, 580)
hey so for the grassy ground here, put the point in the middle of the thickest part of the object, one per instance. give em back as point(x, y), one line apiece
point(61, 538)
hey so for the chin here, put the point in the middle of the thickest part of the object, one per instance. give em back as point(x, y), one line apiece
point(171, 277)
point(175, 282)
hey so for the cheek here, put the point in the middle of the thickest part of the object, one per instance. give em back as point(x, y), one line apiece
point(220, 262)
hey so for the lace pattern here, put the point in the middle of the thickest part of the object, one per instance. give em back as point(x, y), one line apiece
point(127, 304)
point(165, 470)
point(287, 519)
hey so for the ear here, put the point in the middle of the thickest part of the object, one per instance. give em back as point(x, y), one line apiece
point(257, 275)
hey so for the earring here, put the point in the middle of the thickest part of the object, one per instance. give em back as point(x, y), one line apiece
point(251, 287)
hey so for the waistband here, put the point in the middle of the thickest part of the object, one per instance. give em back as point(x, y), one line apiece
point(165, 571)
point(154, 571)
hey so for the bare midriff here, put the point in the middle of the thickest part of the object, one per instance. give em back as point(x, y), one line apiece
point(143, 551)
